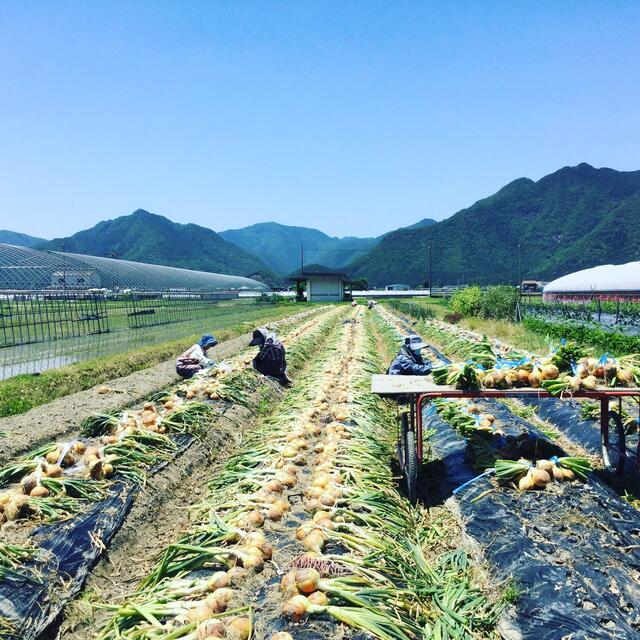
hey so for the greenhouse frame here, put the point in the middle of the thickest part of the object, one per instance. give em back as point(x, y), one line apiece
point(22, 268)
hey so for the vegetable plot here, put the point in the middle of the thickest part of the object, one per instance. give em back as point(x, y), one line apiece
point(68, 499)
point(304, 530)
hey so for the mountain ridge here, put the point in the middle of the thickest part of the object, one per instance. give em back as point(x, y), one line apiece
point(558, 221)
point(148, 237)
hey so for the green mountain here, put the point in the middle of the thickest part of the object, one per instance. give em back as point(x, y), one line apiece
point(147, 237)
point(19, 239)
point(575, 218)
point(279, 245)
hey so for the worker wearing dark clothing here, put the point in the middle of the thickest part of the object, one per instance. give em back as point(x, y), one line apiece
point(409, 360)
point(271, 358)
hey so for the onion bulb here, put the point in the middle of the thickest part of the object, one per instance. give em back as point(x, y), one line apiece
point(540, 477)
point(319, 598)
point(39, 492)
point(307, 580)
point(212, 628)
point(296, 608)
point(526, 483)
point(282, 635)
point(239, 629)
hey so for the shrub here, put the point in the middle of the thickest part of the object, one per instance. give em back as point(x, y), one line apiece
point(466, 301)
point(499, 302)
point(453, 318)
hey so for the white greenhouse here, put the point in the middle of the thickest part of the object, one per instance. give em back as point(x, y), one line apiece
point(606, 282)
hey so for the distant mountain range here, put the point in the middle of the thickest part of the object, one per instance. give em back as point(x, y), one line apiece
point(147, 237)
point(19, 239)
point(574, 218)
point(279, 245)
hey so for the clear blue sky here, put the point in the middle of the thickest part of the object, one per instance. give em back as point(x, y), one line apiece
point(355, 117)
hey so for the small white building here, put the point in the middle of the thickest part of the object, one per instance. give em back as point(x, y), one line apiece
point(323, 286)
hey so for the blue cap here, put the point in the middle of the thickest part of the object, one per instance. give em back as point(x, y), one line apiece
point(207, 340)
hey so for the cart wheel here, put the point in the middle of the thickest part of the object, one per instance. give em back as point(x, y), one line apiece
point(408, 457)
point(411, 465)
point(614, 450)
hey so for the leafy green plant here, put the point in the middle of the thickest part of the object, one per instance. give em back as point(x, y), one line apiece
point(466, 301)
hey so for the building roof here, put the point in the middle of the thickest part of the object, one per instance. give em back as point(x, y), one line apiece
point(605, 278)
point(319, 274)
point(23, 268)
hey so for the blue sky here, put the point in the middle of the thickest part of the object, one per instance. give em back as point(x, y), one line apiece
point(354, 117)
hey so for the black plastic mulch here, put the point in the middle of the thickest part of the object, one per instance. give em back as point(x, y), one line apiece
point(67, 553)
point(572, 550)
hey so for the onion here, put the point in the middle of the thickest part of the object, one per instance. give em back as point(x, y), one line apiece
point(239, 629)
point(547, 465)
point(307, 580)
point(255, 518)
point(237, 575)
point(217, 580)
point(288, 582)
point(321, 515)
point(625, 376)
point(39, 492)
point(211, 628)
point(80, 447)
point(319, 598)
point(540, 477)
point(314, 541)
point(296, 608)
point(558, 476)
point(282, 635)
point(53, 471)
point(199, 613)
point(526, 482)
point(568, 474)
point(535, 378)
point(52, 456)
point(590, 382)
point(274, 486)
point(28, 483)
point(275, 512)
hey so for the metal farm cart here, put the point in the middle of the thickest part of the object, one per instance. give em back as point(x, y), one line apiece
point(417, 391)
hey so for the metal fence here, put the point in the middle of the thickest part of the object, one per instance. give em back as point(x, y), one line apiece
point(40, 316)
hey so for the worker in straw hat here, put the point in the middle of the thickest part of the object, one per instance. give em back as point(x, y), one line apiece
point(409, 360)
point(195, 358)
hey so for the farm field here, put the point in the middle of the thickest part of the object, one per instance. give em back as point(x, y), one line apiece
point(228, 507)
point(65, 341)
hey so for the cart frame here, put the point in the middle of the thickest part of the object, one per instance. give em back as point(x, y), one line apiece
point(421, 390)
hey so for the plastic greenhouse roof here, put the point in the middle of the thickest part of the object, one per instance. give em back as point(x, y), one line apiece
point(24, 268)
point(608, 277)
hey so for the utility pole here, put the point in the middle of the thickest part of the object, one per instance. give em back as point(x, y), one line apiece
point(520, 267)
point(430, 281)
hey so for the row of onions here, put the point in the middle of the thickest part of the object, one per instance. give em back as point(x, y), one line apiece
point(490, 364)
point(350, 551)
point(521, 460)
point(199, 583)
point(60, 480)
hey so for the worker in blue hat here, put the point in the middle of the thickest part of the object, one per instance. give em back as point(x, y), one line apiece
point(195, 358)
point(409, 360)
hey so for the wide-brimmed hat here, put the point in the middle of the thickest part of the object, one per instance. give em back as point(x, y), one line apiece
point(414, 342)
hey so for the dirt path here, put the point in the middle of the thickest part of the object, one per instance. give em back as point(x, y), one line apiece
point(63, 417)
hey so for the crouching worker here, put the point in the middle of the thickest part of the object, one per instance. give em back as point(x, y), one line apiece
point(195, 358)
point(409, 360)
point(271, 358)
